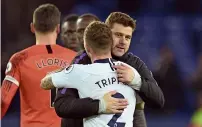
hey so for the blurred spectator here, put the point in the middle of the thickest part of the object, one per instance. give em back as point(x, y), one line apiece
point(197, 82)
point(167, 76)
point(196, 120)
point(68, 32)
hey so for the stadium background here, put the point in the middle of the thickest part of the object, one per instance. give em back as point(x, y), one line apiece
point(168, 31)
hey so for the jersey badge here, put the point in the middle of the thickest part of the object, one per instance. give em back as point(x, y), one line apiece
point(69, 69)
point(9, 67)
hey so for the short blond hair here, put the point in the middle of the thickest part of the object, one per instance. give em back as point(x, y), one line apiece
point(98, 36)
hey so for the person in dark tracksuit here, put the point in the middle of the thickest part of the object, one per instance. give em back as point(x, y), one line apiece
point(73, 110)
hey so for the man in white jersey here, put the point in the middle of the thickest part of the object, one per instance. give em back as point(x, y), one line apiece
point(100, 78)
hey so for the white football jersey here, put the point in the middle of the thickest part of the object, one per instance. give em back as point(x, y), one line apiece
point(94, 80)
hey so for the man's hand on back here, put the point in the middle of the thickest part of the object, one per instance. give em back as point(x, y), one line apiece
point(125, 73)
point(111, 105)
point(129, 76)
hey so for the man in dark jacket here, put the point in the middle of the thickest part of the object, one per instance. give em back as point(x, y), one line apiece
point(67, 104)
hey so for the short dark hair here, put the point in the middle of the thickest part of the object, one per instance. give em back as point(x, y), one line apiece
point(98, 36)
point(46, 18)
point(120, 18)
point(70, 18)
point(89, 15)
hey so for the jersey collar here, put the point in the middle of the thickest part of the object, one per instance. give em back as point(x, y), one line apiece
point(108, 60)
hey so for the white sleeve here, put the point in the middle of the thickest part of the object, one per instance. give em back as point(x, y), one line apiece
point(137, 81)
point(66, 78)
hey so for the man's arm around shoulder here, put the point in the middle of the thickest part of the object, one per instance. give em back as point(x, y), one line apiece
point(69, 105)
point(150, 92)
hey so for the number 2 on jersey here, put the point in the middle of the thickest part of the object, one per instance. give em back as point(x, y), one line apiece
point(53, 93)
point(113, 122)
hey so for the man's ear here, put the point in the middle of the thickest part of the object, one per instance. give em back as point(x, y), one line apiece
point(58, 29)
point(32, 27)
point(88, 49)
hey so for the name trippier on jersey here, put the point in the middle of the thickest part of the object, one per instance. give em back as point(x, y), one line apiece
point(109, 81)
